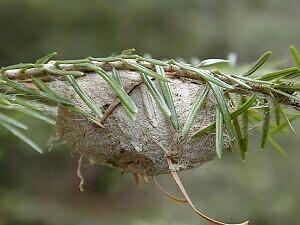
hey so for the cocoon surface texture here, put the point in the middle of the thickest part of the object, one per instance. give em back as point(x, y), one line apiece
point(137, 146)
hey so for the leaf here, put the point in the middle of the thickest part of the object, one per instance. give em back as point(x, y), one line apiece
point(239, 138)
point(233, 115)
point(219, 133)
point(146, 71)
point(235, 80)
point(119, 91)
point(45, 88)
point(276, 147)
point(89, 116)
point(284, 94)
point(155, 62)
point(287, 87)
point(22, 136)
point(295, 54)
point(85, 98)
point(213, 62)
point(22, 102)
point(287, 120)
point(258, 64)
point(156, 95)
point(19, 66)
point(42, 86)
point(218, 93)
point(46, 58)
point(12, 121)
point(116, 77)
point(245, 124)
point(72, 61)
point(195, 110)
point(265, 127)
point(278, 74)
point(113, 58)
point(64, 73)
point(256, 81)
point(128, 51)
point(36, 93)
point(277, 112)
point(205, 74)
point(36, 114)
point(5, 102)
point(166, 91)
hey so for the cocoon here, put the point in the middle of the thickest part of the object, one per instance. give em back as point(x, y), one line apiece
point(137, 146)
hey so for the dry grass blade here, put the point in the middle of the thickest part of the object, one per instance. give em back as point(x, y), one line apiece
point(79, 173)
point(171, 197)
point(182, 189)
point(136, 178)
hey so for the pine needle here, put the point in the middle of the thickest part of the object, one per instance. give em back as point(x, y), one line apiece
point(195, 110)
point(156, 95)
point(261, 60)
point(22, 136)
point(219, 133)
point(167, 94)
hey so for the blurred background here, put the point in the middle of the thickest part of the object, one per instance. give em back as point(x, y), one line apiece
point(43, 189)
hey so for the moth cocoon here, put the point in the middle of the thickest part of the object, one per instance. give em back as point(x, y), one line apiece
point(137, 146)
